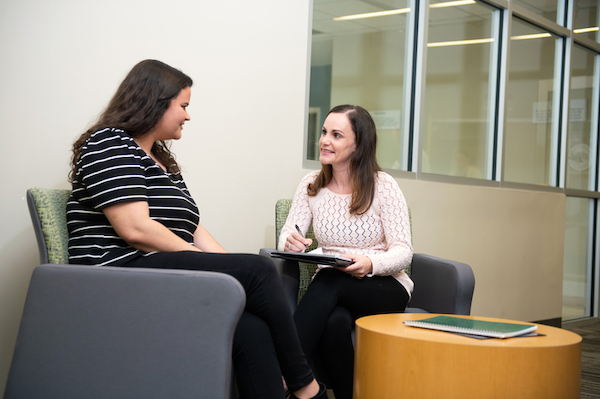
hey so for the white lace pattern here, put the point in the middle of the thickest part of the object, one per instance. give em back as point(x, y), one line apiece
point(382, 233)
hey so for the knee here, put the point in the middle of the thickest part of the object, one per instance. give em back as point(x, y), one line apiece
point(340, 320)
point(257, 266)
point(263, 264)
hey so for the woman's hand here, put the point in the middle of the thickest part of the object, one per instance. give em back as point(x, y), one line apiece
point(296, 243)
point(360, 268)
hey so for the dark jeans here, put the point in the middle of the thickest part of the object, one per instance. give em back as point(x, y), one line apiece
point(266, 344)
point(326, 314)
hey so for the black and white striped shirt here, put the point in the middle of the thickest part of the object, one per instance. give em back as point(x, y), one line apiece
point(113, 169)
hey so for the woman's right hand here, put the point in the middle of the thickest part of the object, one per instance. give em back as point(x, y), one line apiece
point(296, 243)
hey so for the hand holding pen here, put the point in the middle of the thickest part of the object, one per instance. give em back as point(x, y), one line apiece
point(296, 241)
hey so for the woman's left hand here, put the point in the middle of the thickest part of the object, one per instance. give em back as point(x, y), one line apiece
point(360, 268)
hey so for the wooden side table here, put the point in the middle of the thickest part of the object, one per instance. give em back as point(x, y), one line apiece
point(393, 360)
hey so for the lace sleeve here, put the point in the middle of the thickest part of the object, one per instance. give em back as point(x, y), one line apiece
point(300, 213)
point(396, 226)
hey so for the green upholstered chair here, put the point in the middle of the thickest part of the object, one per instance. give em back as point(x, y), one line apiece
point(111, 332)
point(47, 208)
point(441, 285)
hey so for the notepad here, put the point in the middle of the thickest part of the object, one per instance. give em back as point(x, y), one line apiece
point(474, 327)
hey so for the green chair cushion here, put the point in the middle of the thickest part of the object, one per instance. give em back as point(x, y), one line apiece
point(51, 205)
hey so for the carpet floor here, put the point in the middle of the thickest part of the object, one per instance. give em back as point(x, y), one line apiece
point(590, 359)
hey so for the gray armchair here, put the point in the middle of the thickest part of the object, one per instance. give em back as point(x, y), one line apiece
point(109, 332)
point(106, 332)
point(441, 285)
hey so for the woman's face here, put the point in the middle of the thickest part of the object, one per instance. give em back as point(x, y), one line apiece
point(337, 143)
point(170, 125)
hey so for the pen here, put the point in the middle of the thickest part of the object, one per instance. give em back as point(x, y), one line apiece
point(299, 232)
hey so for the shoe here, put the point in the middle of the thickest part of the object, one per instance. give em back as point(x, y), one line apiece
point(321, 395)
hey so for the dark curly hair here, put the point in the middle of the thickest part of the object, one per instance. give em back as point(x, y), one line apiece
point(139, 103)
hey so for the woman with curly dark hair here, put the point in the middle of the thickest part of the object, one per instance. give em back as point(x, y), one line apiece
point(130, 207)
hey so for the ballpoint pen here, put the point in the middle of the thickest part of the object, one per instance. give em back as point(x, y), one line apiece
point(299, 232)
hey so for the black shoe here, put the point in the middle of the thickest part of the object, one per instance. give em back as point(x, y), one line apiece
point(321, 395)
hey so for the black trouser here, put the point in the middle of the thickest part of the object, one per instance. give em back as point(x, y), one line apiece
point(326, 314)
point(266, 344)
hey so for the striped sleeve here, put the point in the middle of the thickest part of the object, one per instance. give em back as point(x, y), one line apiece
point(110, 170)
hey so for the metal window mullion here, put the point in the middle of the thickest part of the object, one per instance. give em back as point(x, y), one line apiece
point(563, 13)
point(591, 254)
point(595, 126)
point(560, 114)
point(409, 136)
point(595, 280)
point(420, 72)
point(305, 161)
point(494, 97)
point(502, 90)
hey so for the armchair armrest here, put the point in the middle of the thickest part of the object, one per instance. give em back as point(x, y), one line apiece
point(441, 285)
point(125, 332)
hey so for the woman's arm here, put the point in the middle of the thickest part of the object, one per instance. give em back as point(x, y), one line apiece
point(396, 227)
point(131, 221)
point(205, 242)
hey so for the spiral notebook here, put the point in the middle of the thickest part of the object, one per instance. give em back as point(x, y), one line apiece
point(473, 327)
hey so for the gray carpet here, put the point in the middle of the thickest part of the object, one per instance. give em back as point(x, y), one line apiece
point(590, 359)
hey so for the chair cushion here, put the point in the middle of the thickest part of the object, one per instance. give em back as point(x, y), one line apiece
point(51, 207)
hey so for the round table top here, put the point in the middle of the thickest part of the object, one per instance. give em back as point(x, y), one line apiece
point(393, 325)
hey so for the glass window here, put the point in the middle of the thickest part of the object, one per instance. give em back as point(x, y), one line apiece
point(358, 57)
point(583, 123)
point(457, 93)
point(529, 105)
point(577, 258)
point(545, 8)
point(586, 18)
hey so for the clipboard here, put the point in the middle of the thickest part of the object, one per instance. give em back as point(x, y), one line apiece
point(309, 257)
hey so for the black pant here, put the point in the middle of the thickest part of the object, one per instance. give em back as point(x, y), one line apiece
point(326, 314)
point(266, 344)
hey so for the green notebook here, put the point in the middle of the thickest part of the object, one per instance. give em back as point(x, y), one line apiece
point(474, 327)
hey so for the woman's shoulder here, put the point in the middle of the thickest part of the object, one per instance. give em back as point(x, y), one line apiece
point(109, 142)
point(110, 139)
point(108, 134)
point(385, 177)
point(385, 182)
point(311, 176)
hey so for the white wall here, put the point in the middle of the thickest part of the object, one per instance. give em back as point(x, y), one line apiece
point(513, 240)
point(62, 60)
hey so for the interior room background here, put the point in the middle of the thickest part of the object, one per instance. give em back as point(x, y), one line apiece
point(481, 155)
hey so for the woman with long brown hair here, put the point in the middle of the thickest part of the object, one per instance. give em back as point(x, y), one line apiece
point(359, 212)
point(130, 207)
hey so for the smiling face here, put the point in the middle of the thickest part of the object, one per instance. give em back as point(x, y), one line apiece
point(337, 143)
point(171, 123)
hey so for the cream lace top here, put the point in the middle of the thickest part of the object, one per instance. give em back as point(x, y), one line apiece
point(382, 233)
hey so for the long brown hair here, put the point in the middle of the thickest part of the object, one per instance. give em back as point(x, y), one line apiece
point(139, 103)
point(363, 165)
